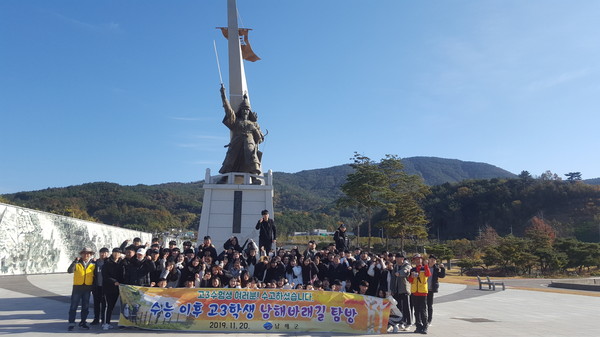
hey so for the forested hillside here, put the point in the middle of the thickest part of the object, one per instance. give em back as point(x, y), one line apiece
point(437, 171)
point(462, 210)
point(595, 181)
point(148, 208)
point(465, 197)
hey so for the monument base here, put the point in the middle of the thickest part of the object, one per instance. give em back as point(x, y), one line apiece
point(232, 205)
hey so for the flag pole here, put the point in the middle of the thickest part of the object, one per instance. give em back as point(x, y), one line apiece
point(218, 64)
point(237, 76)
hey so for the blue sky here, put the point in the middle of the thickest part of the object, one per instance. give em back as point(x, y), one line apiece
point(127, 91)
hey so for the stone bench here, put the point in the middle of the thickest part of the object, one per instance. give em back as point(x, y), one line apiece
point(491, 284)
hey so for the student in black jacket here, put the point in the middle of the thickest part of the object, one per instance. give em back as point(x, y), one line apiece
point(437, 271)
point(267, 235)
point(275, 270)
point(137, 270)
point(97, 292)
point(342, 242)
point(233, 243)
point(193, 270)
point(207, 248)
point(112, 276)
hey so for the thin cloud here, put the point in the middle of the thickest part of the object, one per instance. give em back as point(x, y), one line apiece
point(204, 162)
point(113, 26)
point(102, 27)
point(189, 145)
point(204, 142)
point(559, 79)
point(116, 90)
point(220, 138)
point(202, 147)
point(188, 119)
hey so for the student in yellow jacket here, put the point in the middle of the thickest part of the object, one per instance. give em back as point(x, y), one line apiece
point(419, 290)
point(82, 269)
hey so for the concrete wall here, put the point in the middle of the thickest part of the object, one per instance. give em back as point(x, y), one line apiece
point(580, 284)
point(34, 242)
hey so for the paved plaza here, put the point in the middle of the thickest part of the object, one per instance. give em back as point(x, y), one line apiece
point(37, 305)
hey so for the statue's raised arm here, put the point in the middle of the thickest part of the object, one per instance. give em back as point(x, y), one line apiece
point(229, 118)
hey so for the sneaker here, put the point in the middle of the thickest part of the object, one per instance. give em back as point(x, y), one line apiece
point(418, 330)
point(390, 329)
point(95, 322)
point(423, 332)
point(404, 327)
point(71, 327)
point(396, 328)
point(105, 326)
point(84, 326)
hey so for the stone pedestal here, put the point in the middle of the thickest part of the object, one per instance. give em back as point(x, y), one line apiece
point(232, 205)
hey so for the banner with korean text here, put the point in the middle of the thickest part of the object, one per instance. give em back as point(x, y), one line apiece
point(257, 310)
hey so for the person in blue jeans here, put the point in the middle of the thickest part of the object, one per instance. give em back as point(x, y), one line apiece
point(82, 269)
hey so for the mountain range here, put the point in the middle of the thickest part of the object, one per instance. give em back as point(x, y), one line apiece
point(303, 199)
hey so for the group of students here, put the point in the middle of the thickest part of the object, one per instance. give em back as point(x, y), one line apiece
point(334, 268)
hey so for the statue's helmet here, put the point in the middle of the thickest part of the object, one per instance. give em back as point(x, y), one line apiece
point(245, 104)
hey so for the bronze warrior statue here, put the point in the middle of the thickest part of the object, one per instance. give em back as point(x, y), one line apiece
point(242, 151)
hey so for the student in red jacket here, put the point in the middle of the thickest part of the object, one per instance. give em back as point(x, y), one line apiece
point(419, 290)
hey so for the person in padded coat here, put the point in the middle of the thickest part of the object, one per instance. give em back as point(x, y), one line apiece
point(437, 272)
point(112, 276)
point(138, 268)
point(275, 271)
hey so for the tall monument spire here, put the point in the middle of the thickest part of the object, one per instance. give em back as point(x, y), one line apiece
point(233, 198)
point(237, 75)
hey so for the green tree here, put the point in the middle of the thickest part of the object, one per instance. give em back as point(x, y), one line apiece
point(525, 175)
point(462, 248)
point(403, 195)
point(468, 264)
point(385, 186)
point(514, 253)
point(573, 176)
point(550, 260)
point(443, 252)
point(363, 189)
point(549, 176)
point(492, 257)
point(579, 254)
